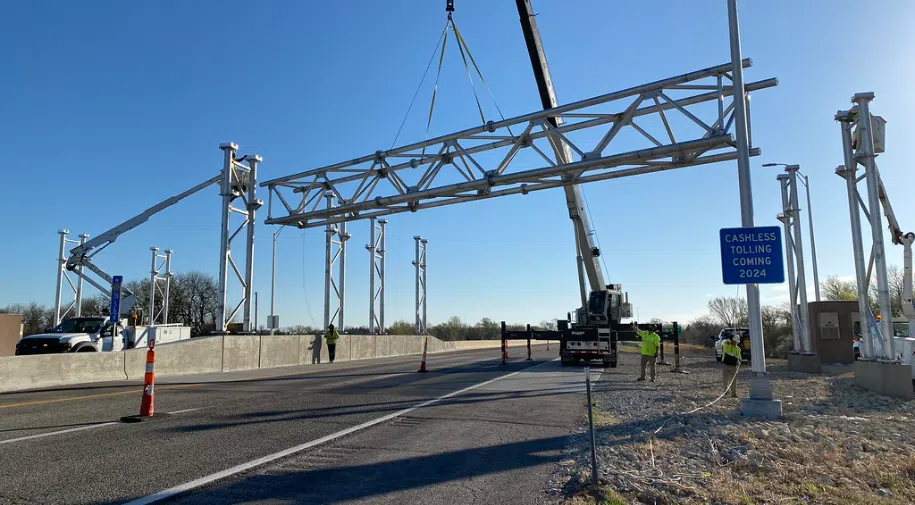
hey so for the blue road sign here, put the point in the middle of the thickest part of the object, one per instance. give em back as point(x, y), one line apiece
point(114, 311)
point(752, 255)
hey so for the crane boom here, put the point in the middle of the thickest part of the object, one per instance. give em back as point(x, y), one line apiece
point(80, 258)
point(574, 199)
point(79, 252)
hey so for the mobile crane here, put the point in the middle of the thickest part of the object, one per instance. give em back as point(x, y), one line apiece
point(593, 333)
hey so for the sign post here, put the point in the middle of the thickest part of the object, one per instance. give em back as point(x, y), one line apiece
point(752, 255)
point(114, 310)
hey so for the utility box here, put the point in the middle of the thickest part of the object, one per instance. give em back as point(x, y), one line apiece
point(832, 330)
point(878, 131)
point(10, 333)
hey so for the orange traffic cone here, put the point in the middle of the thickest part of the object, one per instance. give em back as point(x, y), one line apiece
point(422, 368)
point(147, 406)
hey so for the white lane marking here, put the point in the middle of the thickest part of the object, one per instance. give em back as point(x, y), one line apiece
point(184, 411)
point(52, 433)
point(187, 486)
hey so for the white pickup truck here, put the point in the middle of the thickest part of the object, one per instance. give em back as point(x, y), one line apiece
point(96, 334)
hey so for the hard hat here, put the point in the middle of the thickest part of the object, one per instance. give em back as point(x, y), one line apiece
point(735, 339)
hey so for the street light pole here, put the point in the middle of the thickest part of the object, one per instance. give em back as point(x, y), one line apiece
point(813, 246)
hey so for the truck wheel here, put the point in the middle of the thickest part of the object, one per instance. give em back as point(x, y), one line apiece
point(606, 363)
point(613, 364)
point(85, 348)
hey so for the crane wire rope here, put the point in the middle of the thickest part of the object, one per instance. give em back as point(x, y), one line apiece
point(468, 61)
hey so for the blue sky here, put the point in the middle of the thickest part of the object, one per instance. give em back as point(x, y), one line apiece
point(109, 107)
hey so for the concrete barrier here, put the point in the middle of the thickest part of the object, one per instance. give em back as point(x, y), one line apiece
point(206, 355)
point(29, 372)
point(279, 350)
point(199, 355)
point(240, 352)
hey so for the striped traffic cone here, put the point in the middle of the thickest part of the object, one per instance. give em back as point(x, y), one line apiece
point(422, 368)
point(147, 406)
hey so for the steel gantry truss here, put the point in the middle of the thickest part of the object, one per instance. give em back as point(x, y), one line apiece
point(334, 253)
point(672, 123)
point(237, 181)
point(860, 147)
point(376, 248)
point(160, 279)
point(422, 246)
point(794, 252)
point(63, 275)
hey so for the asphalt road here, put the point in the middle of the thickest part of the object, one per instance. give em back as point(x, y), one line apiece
point(350, 432)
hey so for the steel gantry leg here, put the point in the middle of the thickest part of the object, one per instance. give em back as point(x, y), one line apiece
point(236, 182)
point(785, 218)
point(850, 173)
point(376, 275)
point(79, 279)
point(249, 241)
point(797, 282)
point(801, 272)
point(866, 156)
point(334, 253)
point(160, 277)
point(419, 264)
point(74, 306)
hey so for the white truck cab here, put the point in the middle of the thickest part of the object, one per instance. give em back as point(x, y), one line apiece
point(76, 334)
point(96, 334)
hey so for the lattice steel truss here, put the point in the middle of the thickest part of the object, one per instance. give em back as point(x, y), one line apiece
point(160, 280)
point(237, 181)
point(335, 253)
point(861, 150)
point(376, 274)
point(672, 123)
point(62, 275)
point(794, 254)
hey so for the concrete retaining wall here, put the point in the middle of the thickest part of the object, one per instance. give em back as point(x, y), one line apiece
point(202, 355)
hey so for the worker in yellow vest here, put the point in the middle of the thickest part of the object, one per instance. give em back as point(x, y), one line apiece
point(730, 356)
point(331, 336)
point(651, 343)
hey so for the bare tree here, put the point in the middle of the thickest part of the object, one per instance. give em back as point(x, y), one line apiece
point(548, 325)
point(729, 311)
point(193, 301)
point(699, 330)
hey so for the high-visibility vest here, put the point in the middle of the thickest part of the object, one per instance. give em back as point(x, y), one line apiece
point(729, 348)
point(650, 342)
point(332, 336)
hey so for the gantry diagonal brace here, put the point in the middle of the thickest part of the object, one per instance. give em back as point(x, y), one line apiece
point(484, 162)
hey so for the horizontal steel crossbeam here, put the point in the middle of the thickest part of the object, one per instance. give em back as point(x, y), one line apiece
point(679, 125)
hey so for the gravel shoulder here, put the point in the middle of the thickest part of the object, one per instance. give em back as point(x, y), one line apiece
point(836, 444)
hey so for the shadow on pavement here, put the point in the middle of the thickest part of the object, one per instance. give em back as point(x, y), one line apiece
point(289, 482)
point(381, 408)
